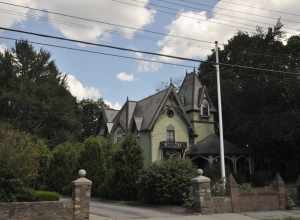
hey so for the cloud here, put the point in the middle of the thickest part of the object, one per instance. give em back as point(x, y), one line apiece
point(115, 105)
point(105, 10)
point(200, 25)
point(123, 76)
point(144, 66)
point(2, 48)
point(81, 91)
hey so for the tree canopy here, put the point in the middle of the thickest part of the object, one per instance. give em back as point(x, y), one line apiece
point(260, 108)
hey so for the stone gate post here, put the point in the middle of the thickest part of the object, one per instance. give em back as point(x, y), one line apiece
point(202, 193)
point(81, 197)
point(279, 185)
point(298, 189)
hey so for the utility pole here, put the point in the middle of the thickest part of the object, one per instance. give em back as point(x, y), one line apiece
point(222, 156)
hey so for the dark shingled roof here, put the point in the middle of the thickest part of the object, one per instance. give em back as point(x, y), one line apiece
point(110, 114)
point(211, 146)
point(146, 108)
point(191, 93)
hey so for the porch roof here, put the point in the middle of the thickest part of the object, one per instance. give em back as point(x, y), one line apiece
point(211, 146)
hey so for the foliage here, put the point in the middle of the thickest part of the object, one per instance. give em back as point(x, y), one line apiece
point(96, 160)
point(246, 187)
point(127, 164)
point(45, 196)
point(34, 95)
point(260, 108)
point(20, 163)
point(91, 116)
point(166, 182)
point(64, 167)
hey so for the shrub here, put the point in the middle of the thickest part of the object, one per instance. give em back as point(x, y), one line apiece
point(20, 163)
point(166, 182)
point(64, 167)
point(127, 163)
point(96, 160)
point(45, 196)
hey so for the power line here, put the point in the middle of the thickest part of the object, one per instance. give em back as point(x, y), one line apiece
point(172, 13)
point(145, 52)
point(251, 6)
point(104, 22)
point(97, 52)
point(238, 11)
point(227, 15)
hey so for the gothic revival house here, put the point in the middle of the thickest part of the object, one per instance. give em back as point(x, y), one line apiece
point(174, 124)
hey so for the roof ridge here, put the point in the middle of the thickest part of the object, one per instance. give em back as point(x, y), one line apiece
point(153, 94)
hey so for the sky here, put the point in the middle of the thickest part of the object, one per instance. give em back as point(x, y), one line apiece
point(113, 79)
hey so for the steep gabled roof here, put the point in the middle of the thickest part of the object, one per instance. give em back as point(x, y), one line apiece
point(149, 109)
point(110, 114)
point(192, 91)
point(125, 115)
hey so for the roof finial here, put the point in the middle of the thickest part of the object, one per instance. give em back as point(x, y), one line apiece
point(171, 81)
point(194, 69)
point(127, 99)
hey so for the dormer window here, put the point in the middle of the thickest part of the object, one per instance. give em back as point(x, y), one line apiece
point(205, 109)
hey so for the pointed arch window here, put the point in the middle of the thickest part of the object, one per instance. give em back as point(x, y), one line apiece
point(170, 134)
point(205, 108)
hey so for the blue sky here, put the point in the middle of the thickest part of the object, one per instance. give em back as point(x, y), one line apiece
point(97, 74)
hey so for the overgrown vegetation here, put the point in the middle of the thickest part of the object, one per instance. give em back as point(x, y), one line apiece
point(166, 182)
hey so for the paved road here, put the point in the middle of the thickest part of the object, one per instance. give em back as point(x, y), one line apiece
point(115, 211)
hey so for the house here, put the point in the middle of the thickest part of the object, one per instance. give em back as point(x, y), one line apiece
point(173, 123)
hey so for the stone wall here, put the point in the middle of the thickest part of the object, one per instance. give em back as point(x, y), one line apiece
point(35, 211)
point(77, 209)
point(273, 197)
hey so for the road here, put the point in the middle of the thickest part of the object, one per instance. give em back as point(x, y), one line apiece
point(116, 211)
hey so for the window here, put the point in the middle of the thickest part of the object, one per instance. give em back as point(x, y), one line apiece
point(204, 108)
point(170, 113)
point(170, 134)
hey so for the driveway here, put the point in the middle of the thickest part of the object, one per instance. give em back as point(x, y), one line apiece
point(116, 211)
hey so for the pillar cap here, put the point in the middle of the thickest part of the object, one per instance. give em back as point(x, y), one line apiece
point(82, 180)
point(201, 178)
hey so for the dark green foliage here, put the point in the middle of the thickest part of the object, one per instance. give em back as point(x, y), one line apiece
point(260, 108)
point(96, 160)
point(91, 113)
point(34, 95)
point(64, 167)
point(127, 164)
point(166, 182)
point(45, 196)
point(20, 163)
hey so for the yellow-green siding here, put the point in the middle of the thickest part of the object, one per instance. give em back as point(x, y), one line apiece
point(159, 133)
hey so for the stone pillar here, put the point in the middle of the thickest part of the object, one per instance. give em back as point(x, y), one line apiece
point(298, 189)
point(81, 197)
point(202, 193)
point(234, 194)
point(279, 185)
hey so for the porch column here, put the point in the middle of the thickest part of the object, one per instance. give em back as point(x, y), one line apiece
point(250, 166)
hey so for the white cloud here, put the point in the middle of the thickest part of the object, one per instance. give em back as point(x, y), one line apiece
point(144, 66)
point(123, 76)
point(115, 105)
point(81, 91)
point(105, 10)
point(210, 28)
point(2, 48)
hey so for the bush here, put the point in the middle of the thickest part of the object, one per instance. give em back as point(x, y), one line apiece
point(127, 163)
point(166, 182)
point(20, 163)
point(64, 167)
point(96, 160)
point(45, 196)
